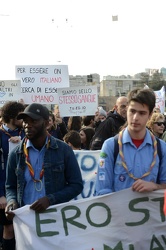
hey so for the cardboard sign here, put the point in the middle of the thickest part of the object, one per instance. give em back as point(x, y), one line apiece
point(10, 90)
point(39, 83)
point(78, 101)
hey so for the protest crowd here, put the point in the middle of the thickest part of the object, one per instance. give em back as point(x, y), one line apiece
point(38, 164)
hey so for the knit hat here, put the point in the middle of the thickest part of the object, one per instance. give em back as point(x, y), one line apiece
point(102, 111)
point(36, 111)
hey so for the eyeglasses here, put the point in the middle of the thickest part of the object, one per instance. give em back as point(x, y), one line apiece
point(159, 123)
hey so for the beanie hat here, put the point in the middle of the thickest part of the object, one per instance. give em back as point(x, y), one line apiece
point(102, 111)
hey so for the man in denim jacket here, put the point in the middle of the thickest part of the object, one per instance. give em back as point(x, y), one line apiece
point(42, 170)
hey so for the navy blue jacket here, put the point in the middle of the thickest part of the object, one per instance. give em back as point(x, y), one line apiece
point(4, 151)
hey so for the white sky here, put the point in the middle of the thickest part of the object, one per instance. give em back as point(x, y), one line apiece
point(89, 42)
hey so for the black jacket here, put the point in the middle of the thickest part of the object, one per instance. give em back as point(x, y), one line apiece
point(106, 129)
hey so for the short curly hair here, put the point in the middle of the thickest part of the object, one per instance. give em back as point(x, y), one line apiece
point(10, 110)
point(155, 118)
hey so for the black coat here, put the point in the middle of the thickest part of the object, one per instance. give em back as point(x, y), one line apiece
point(106, 129)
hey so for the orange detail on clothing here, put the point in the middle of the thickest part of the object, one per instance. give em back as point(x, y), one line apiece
point(164, 207)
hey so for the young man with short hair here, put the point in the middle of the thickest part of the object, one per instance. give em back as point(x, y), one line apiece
point(137, 164)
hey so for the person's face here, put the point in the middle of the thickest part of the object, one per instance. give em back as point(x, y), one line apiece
point(51, 123)
point(102, 118)
point(156, 110)
point(17, 123)
point(92, 122)
point(137, 117)
point(158, 127)
point(121, 107)
point(83, 137)
point(34, 129)
point(96, 118)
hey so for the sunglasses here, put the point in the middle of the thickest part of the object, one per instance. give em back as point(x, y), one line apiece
point(159, 123)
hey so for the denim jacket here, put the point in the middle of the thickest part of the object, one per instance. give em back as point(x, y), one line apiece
point(62, 176)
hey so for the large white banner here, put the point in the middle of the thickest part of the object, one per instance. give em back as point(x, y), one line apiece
point(124, 220)
point(39, 83)
point(78, 101)
point(10, 90)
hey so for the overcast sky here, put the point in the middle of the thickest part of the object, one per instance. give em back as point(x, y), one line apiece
point(82, 35)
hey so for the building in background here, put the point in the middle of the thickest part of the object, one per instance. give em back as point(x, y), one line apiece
point(163, 71)
point(118, 85)
point(111, 87)
point(85, 80)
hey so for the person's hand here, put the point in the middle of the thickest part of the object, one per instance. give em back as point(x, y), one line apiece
point(41, 204)
point(143, 186)
point(3, 202)
point(12, 205)
point(15, 139)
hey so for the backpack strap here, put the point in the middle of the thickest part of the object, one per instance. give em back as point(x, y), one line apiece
point(116, 147)
point(159, 150)
point(160, 157)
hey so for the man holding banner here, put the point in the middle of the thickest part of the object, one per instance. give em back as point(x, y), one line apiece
point(42, 170)
point(137, 164)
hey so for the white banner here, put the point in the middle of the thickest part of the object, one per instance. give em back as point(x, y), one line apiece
point(160, 99)
point(10, 90)
point(88, 162)
point(78, 101)
point(39, 83)
point(124, 220)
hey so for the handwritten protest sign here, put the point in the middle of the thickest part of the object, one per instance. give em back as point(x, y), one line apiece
point(78, 101)
point(10, 90)
point(39, 83)
point(124, 220)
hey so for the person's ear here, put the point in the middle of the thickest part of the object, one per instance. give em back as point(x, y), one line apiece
point(115, 107)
